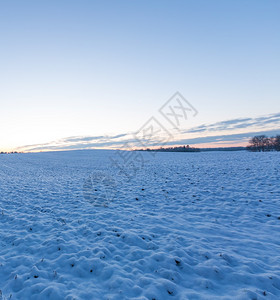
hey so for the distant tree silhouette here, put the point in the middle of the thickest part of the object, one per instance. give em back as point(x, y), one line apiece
point(277, 143)
point(263, 143)
point(174, 149)
point(257, 143)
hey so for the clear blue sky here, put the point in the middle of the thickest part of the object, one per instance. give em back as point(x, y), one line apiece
point(78, 68)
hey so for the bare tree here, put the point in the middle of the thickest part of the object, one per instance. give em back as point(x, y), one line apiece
point(277, 143)
point(263, 143)
point(257, 143)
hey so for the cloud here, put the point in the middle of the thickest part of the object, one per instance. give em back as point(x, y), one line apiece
point(233, 131)
point(81, 142)
point(229, 137)
point(82, 139)
point(92, 138)
point(231, 125)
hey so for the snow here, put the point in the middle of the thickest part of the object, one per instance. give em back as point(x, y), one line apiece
point(186, 226)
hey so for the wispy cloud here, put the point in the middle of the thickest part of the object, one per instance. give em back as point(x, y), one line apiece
point(245, 123)
point(241, 137)
point(82, 142)
point(229, 131)
point(80, 139)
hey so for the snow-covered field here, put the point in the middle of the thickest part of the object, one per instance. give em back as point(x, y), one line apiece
point(186, 226)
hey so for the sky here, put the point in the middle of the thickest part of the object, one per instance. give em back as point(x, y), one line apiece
point(97, 71)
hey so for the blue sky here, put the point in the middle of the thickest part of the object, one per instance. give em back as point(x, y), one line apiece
point(102, 68)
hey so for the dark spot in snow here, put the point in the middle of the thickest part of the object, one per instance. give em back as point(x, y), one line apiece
point(59, 249)
point(137, 199)
point(268, 215)
point(30, 229)
point(169, 292)
point(260, 200)
point(177, 262)
point(36, 276)
point(72, 265)
point(118, 235)
point(143, 189)
point(91, 271)
point(278, 218)
point(264, 293)
point(98, 233)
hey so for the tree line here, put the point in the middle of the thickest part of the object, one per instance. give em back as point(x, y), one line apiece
point(261, 143)
point(173, 149)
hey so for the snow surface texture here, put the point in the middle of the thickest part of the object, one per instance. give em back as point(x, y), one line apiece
point(187, 226)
